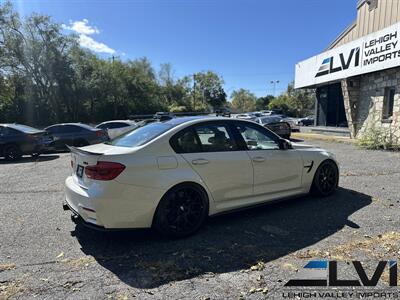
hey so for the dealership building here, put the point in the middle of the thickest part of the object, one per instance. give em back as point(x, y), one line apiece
point(357, 79)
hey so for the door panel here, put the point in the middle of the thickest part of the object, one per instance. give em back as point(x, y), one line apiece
point(276, 170)
point(228, 175)
point(212, 151)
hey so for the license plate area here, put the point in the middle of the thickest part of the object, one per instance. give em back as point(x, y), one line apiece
point(79, 171)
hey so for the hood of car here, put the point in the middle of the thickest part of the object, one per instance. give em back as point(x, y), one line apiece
point(304, 146)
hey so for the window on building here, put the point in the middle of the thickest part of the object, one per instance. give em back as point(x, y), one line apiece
point(388, 102)
point(372, 4)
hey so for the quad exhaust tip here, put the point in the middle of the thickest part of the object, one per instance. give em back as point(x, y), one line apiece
point(65, 206)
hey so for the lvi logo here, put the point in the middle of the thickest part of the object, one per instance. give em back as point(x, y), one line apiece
point(325, 273)
point(328, 67)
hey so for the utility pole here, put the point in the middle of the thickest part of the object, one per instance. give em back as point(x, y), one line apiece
point(194, 92)
point(274, 83)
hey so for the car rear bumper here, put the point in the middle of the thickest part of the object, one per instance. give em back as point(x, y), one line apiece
point(112, 205)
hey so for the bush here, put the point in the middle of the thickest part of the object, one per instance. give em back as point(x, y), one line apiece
point(177, 109)
point(378, 139)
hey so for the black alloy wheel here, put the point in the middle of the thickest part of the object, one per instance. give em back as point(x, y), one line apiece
point(12, 152)
point(326, 179)
point(182, 211)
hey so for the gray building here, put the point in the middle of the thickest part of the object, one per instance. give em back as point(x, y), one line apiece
point(357, 78)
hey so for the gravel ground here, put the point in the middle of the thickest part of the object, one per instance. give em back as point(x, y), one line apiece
point(249, 254)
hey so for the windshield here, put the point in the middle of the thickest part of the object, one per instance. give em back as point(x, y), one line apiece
point(140, 135)
point(24, 128)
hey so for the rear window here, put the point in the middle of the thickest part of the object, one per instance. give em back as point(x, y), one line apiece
point(141, 135)
point(24, 128)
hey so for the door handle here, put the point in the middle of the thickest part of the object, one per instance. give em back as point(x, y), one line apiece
point(200, 161)
point(258, 159)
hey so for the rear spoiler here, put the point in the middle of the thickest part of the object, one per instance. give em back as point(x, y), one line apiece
point(82, 152)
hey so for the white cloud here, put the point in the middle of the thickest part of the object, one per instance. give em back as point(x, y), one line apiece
point(83, 29)
point(87, 42)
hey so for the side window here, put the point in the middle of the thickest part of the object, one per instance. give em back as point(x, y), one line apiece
point(257, 139)
point(186, 142)
point(215, 138)
point(10, 132)
point(103, 126)
point(71, 129)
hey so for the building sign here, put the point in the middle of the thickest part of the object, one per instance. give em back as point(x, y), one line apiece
point(377, 51)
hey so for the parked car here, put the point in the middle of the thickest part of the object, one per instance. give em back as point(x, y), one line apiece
point(117, 127)
point(246, 116)
point(172, 175)
point(163, 116)
point(75, 134)
point(307, 121)
point(267, 112)
point(293, 122)
point(276, 124)
point(17, 140)
point(224, 112)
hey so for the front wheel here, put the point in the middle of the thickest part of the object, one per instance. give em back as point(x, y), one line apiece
point(182, 211)
point(326, 179)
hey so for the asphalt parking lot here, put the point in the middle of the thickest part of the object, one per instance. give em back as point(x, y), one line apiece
point(249, 254)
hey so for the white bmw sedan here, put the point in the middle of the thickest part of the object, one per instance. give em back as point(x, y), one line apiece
point(172, 175)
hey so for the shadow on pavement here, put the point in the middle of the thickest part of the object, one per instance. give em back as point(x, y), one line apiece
point(29, 159)
point(227, 243)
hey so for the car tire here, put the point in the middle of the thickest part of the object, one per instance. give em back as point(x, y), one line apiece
point(12, 152)
point(182, 211)
point(326, 179)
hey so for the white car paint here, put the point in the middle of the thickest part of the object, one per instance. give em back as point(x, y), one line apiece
point(232, 179)
point(114, 132)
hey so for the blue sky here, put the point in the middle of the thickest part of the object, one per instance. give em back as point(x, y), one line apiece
point(248, 42)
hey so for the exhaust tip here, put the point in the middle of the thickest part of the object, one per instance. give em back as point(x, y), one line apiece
point(65, 206)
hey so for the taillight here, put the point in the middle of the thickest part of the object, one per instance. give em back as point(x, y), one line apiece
point(100, 133)
point(104, 170)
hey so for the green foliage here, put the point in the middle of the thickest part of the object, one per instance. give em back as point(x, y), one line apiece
point(243, 100)
point(209, 89)
point(295, 103)
point(263, 102)
point(378, 139)
point(45, 77)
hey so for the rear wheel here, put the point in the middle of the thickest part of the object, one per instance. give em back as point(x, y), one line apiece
point(326, 179)
point(181, 211)
point(12, 152)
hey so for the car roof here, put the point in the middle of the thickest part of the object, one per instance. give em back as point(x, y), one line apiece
point(73, 124)
point(117, 121)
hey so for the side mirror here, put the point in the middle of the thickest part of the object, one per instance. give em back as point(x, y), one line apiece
point(284, 144)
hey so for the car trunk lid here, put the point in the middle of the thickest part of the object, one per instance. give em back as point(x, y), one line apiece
point(90, 156)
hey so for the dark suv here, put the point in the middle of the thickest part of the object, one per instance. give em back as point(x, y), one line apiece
point(75, 134)
point(17, 140)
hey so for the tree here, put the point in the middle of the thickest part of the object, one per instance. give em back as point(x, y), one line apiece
point(37, 51)
point(262, 102)
point(243, 100)
point(209, 89)
point(294, 102)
